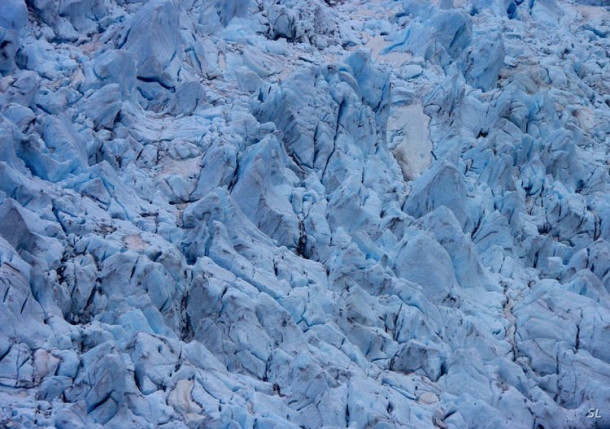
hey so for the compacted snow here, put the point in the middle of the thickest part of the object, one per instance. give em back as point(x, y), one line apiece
point(290, 213)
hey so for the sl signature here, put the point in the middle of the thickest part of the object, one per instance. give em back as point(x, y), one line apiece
point(593, 413)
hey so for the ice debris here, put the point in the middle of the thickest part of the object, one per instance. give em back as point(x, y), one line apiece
point(277, 214)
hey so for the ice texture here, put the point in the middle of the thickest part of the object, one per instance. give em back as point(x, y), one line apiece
point(303, 214)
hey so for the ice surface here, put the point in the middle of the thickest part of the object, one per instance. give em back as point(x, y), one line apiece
point(278, 214)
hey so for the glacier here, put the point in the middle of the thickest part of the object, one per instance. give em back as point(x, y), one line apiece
point(305, 214)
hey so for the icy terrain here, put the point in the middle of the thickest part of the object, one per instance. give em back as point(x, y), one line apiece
point(304, 213)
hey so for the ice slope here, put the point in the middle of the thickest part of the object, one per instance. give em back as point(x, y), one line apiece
point(275, 214)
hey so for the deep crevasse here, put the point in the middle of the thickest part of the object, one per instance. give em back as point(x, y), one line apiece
point(304, 214)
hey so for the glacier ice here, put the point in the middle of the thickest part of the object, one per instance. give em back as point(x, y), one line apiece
point(277, 214)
